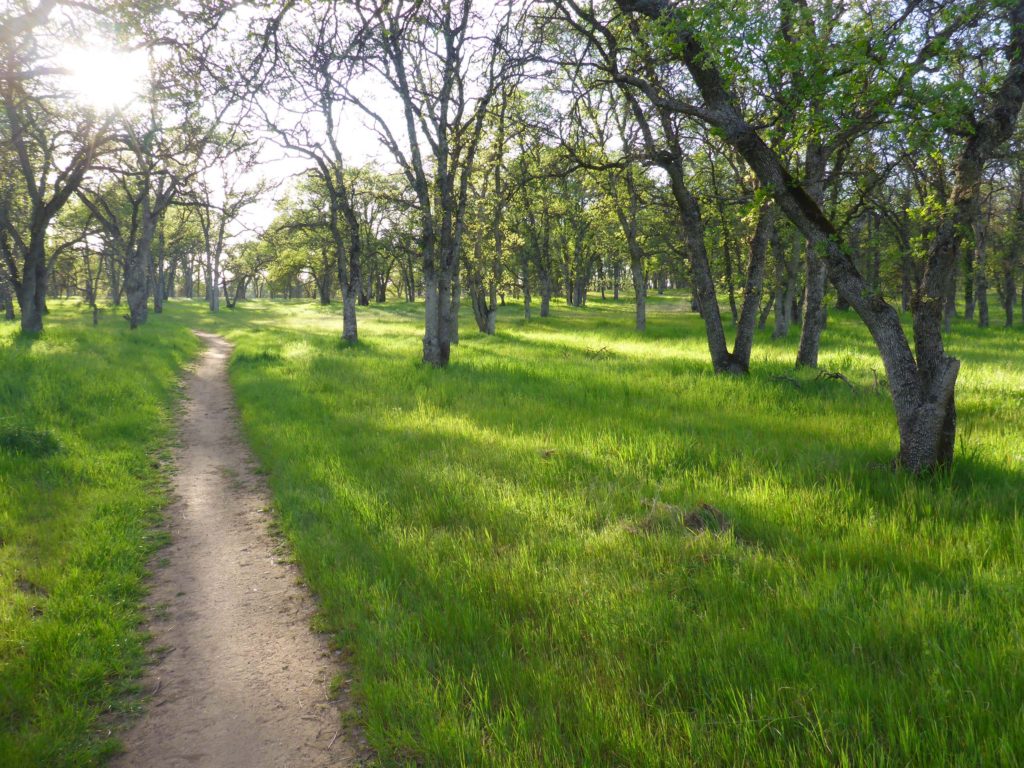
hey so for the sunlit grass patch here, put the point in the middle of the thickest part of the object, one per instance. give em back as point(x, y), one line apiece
point(81, 410)
point(481, 539)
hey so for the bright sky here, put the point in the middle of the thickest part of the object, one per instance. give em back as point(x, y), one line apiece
point(105, 78)
point(102, 77)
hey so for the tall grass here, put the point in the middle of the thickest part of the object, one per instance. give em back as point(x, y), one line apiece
point(82, 412)
point(503, 546)
point(575, 546)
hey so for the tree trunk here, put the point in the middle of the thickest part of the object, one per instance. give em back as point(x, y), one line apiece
point(545, 295)
point(739, 358)
point(969, 299)
point(704, 285)
point(527, 297)
point(981, 275)
point(136, 286)
point(32, 296)
point(437, 303)
point(483, 314)
point(785, 284)
point(455, 291)
point(814, 312)
point(636, 266)
point(6, 299)
point(349, 326)
point(157, 267)
point(1010, 291)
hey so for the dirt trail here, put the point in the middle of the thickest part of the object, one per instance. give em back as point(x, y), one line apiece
point(243, 681)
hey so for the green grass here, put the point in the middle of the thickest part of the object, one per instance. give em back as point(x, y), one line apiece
point(502, 545)
point(82, 411)
point(507, 551)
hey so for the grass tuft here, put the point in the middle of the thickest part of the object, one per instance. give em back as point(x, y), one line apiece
point(26, 441)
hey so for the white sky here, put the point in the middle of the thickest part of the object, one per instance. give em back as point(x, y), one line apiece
point(105, 78)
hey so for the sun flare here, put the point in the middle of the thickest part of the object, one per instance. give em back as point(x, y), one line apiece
point(104, 78)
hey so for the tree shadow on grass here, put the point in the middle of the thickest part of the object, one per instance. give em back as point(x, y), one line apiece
point(457, 584)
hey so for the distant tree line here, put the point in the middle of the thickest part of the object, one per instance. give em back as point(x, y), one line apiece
point(777, 160)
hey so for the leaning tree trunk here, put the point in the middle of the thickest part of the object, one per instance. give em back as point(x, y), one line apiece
point(700, 269)
point(923, 389)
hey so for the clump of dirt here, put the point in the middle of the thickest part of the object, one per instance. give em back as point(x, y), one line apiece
point(662, 517)
point(30, 588)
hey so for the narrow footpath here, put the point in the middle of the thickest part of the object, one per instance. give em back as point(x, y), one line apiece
point(242, 681)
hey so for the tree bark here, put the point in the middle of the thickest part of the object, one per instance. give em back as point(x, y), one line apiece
point(636, 267)
point(437, 302)
point(32, 292)
point(739, 358)
point(981, 273)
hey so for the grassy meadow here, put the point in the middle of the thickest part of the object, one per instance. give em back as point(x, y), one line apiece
point(504, 548)
point(84, 413)
point(574, 546)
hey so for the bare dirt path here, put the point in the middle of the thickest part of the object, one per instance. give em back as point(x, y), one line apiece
point(242, 680)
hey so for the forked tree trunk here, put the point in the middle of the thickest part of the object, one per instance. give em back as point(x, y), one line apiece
point(486, 318)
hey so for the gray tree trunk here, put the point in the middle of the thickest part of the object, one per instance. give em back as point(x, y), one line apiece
point(981, 273)
point(437, 304)
point(349, 325)
point(32, 296)
point(546, 290)
point(527, 297)
point(814, 315)
point(636, 266)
